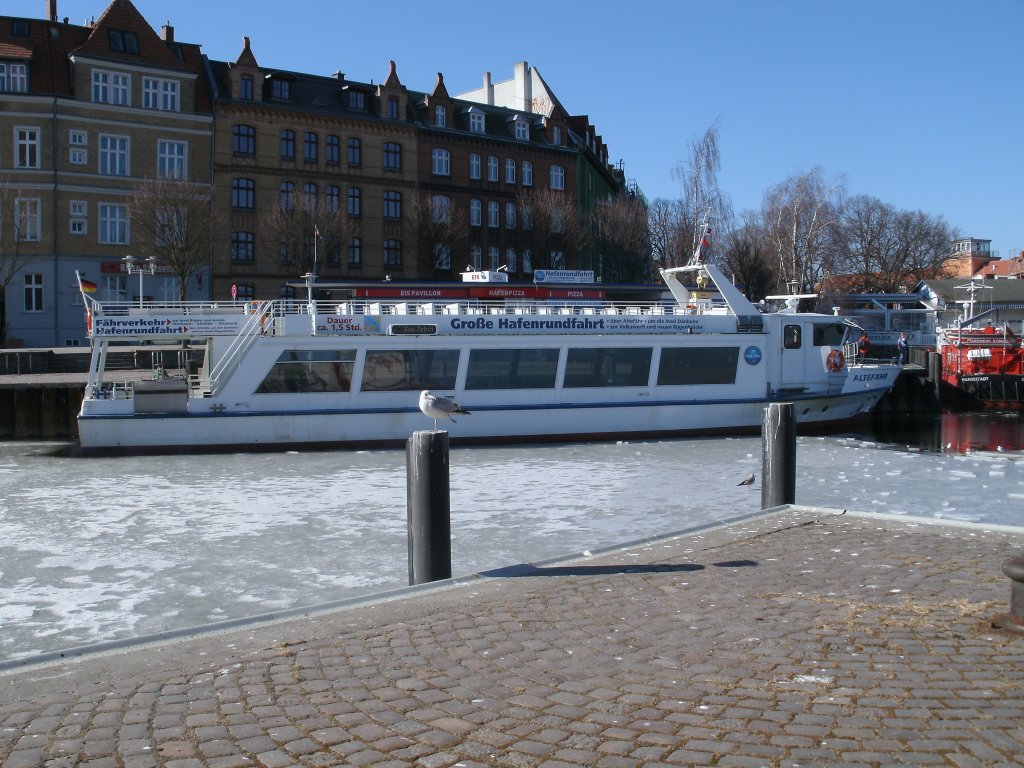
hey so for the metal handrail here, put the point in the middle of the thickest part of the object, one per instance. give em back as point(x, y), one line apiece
point(251, 330)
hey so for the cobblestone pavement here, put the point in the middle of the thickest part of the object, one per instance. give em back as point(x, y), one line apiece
point(804, 637)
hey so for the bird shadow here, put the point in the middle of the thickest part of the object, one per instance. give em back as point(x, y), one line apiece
point(525, 569)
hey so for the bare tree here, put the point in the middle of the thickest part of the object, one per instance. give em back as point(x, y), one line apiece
point(800, 217)
point(16, 229)
point(700, 196)
point(886, 250)
point(670, 246)
point(552, 229)
point(621, 240)
point(310, 230)
point(746, 257)
point(173, 220)
point(441, 229)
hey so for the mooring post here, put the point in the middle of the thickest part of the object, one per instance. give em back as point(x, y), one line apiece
point(1013, 569)
point(778, 455)
point(429, 507)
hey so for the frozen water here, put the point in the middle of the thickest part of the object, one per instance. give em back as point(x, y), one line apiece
point(101, 549)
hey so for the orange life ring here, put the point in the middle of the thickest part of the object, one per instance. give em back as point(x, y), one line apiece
point(835, 360)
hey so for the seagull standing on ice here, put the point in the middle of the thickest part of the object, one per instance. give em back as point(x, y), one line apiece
point(439, 407)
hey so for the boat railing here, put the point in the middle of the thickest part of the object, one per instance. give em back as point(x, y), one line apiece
point(259, 314)
point(474, 307)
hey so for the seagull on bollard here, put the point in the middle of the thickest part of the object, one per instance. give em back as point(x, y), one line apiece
point(748, 480)
point(439, 407)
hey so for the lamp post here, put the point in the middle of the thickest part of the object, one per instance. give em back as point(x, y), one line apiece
point(131, 268)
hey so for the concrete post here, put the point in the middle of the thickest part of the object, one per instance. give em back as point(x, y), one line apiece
point(778, 455)
point(429, 507)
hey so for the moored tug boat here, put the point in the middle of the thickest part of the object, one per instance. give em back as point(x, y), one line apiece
point(272, 375)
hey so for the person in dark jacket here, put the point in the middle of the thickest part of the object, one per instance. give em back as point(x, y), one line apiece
point(902, 347)
point(863, 345)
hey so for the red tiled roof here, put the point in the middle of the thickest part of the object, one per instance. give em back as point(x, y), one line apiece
point(11, 51)
point(122, 15)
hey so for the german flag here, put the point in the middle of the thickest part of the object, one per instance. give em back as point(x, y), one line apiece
point(88, 286)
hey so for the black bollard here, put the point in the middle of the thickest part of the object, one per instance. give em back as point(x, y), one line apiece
point(935, 378)
point(778, 455)
point(429, 507)
point(1013, 569)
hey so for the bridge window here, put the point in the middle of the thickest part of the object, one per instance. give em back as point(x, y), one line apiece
point(306, 370)
point(698, 365)
point(409, 369)
point(828, 334)
point(614, 367)
point(791, 338)
point(512, 368)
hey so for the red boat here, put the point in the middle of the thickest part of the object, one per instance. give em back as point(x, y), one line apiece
point(983, 367)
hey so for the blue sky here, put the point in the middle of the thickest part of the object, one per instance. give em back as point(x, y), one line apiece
point(915, 102)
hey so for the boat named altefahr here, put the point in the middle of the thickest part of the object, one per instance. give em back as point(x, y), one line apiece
point(535, 365)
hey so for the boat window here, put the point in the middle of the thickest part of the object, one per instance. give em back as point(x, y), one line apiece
point(828, 334)
point(614, 367)
point(512, 368)
point(410, 369)
point(791, 337)
point(307, 370)
point(698, 365)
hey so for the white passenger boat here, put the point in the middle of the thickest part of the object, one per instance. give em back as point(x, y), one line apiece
point(270, 375)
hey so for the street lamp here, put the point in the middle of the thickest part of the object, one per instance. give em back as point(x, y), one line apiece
point(131, 268)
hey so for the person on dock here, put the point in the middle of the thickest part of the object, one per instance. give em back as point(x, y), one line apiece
point(863, 345)
point(902, 348)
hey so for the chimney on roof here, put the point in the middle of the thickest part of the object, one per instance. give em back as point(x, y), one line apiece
point(488, 88)
point(339, 75)
point(51, 10)
point(168, 32)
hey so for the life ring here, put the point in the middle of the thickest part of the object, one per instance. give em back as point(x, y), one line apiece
point(835, 360)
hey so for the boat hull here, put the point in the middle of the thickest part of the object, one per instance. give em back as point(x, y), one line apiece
point(491, 422)
point(989, 391)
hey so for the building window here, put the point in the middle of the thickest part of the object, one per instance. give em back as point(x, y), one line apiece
point(392, 253)
point(27, 216)
point(510, 260)
point(113, 155)
point(111, 88)
point(510, 215)
point(392, 205)
point(355, 201)
point(556, 136)
point(332, 194)
point(440, 116)
point(510, 171)
point(492, 257)
point(245, 88)
point(527, 261)
point(392, 108)
point(355, 151)
point(527, 173)
point(441, 162)
point(243, 246)
point(557, 177)
point(332, 149)
point(33, 293)
point(476, 257)
point(281, 89)
point(522, 130)
point(287, 144)
point(476, 122)
point(26, 147)
point(493, 214)
point(160, 94)
point(243, 193)
point(475, 210)
point(356, 100)
point(309, 147)
point(440, 209)
point(243, 140)
point(392, 155)
point(122, 40)
point(442, 253)
point(13, 77)
point(113, 224)
point(77, 152)
point(171, 159)
point(309, 195)
point(355, 252)
point(474, 166)
point(492, 168)
point(287, 196)
point(78, 221)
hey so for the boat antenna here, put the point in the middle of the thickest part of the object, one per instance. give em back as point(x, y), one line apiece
point(703, 242)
